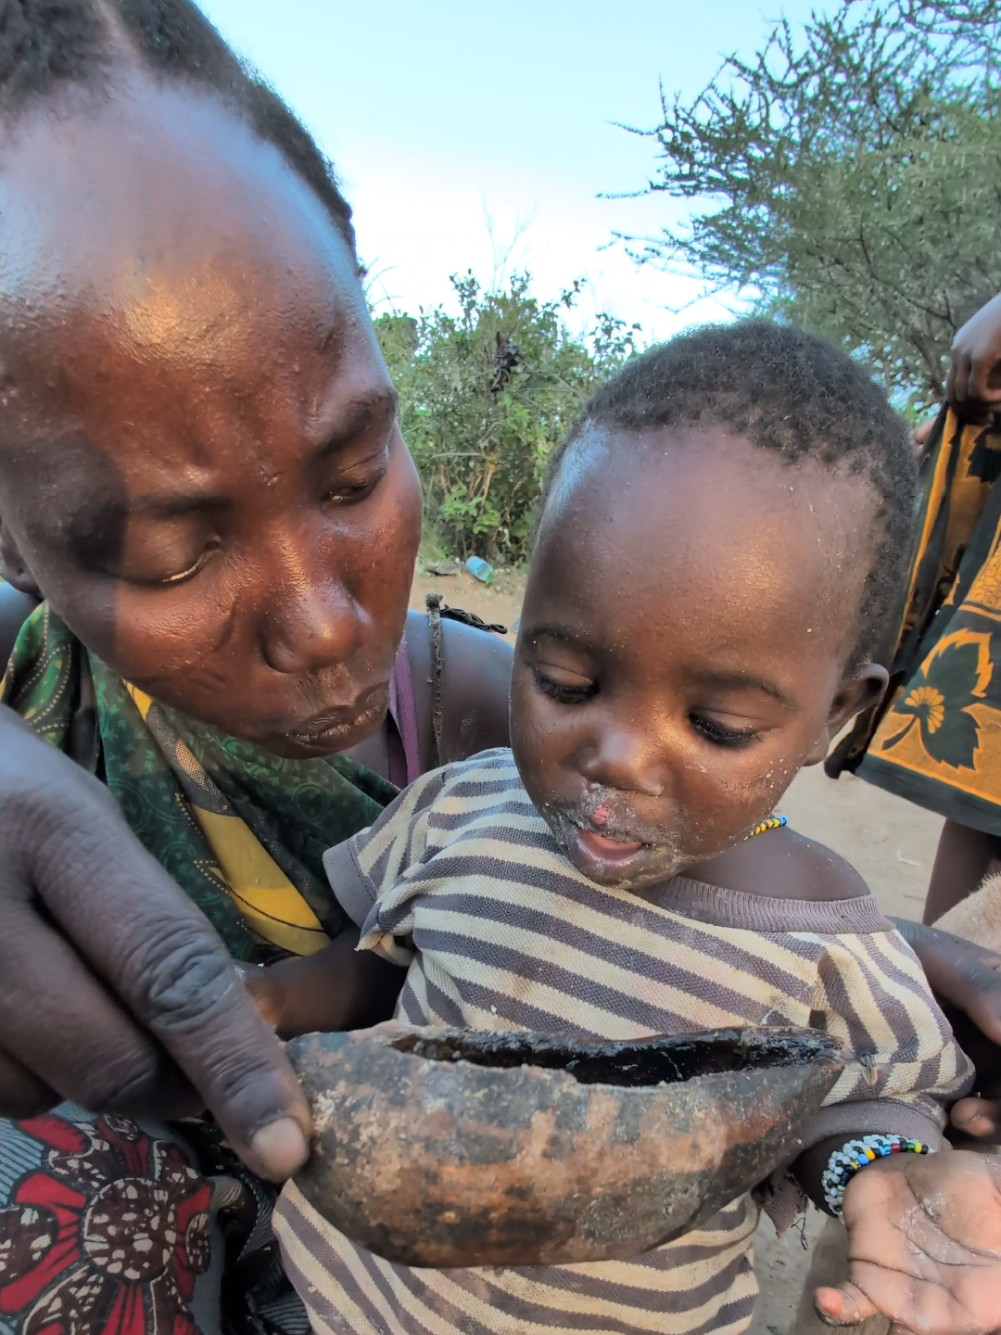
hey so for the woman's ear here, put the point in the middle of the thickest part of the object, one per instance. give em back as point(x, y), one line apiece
point(13, 567)
point(855, 696)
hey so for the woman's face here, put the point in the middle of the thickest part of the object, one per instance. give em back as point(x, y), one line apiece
point(200, 464)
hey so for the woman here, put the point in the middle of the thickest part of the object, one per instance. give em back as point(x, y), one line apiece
point(201, 472)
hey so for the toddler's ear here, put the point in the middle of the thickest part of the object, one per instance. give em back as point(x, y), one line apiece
point(854, 696)
point(13, 566)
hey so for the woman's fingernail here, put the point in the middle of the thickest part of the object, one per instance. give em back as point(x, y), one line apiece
point(279, 1149)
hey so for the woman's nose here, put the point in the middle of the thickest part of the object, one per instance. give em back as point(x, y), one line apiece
point(625, 758)
point(312, 621)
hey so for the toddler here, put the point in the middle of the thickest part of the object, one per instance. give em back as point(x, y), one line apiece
point(718, 553)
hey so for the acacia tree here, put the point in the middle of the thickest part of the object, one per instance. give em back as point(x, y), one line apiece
point(848, 178)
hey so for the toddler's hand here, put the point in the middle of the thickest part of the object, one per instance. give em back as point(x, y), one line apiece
point(266, 991)
point(924, 1246)
point(336, 989)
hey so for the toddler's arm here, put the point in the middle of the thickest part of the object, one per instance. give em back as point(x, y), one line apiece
point(344, 987)
point(911, 1238)
point(924, 1246)
point(338, 988)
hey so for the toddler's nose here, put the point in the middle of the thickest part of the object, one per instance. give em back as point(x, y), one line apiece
point(623, 760)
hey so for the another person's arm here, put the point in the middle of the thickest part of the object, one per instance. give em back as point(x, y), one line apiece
point(15, 608)
point(974, 388)
point(115, 992)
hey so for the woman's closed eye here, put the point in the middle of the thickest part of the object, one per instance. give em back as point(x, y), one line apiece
point(357, 482)
point(194, 569)
point(161, 569)
point(719, 735)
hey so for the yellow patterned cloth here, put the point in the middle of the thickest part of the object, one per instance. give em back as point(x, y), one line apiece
point(243, 832)
point(936, 738)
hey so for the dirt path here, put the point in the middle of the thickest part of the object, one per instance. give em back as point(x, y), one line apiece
point(889, 841)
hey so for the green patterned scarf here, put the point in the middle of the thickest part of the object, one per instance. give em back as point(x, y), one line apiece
point(241, 831)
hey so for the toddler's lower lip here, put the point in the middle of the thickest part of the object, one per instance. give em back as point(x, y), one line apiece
point(601, 847)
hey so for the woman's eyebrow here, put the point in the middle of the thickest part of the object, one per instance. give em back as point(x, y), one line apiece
point(153, 506)
point(356, 416)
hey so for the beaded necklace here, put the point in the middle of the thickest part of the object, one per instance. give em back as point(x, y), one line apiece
point(772, 823)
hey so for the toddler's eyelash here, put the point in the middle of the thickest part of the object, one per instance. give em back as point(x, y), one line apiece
point(720, 736)
point(566, 695)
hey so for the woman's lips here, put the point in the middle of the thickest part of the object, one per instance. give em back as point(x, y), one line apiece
point(343, 726)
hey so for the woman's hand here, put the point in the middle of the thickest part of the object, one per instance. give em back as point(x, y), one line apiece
point(115, 992)
point(924, 1246)
point(974, 388)
point(966, 979)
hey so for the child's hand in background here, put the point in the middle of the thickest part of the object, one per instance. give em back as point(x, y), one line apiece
point(975, 378)
point(924, 1246)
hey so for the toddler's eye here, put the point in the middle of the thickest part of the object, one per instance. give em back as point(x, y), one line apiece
point(565, 693)
point(719, 736)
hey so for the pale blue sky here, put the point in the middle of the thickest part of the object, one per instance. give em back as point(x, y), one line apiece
point(442, 114)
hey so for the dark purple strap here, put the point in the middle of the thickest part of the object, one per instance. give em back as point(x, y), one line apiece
point(404, 757)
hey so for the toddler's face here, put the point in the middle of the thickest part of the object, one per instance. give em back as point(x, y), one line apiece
point(690, 609)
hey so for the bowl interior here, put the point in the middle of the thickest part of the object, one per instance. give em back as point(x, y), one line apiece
point(661, 1060)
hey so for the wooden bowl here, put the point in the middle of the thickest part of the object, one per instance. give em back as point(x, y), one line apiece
point(448, 1148)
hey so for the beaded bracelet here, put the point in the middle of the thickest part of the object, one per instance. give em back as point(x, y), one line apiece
point(846, 1162)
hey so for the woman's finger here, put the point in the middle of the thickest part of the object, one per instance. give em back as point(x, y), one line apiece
point(114, 1064)
point(977, 1117)
point(957, 390)
point(169, 969)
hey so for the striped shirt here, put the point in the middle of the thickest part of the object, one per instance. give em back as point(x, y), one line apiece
point(461, 880)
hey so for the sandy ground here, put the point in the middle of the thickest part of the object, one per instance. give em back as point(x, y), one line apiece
point(889, 841)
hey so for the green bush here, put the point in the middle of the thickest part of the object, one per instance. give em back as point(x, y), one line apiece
point(485, 396)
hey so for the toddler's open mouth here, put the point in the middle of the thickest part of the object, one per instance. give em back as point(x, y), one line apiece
point(614, 859)
point(607, 847)
point(611, 847)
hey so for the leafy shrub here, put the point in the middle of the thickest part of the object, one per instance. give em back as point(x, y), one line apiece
point(485, 396)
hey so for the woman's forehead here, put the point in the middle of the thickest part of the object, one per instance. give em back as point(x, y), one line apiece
point(164, 276)
point(158, 206)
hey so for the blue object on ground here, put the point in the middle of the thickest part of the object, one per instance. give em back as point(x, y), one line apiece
point(480, 569)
